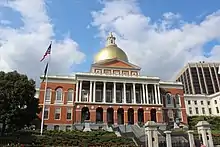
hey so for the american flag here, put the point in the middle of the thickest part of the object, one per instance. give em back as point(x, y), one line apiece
point(47, 52)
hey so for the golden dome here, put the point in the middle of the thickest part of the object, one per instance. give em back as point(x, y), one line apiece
point(111, 51)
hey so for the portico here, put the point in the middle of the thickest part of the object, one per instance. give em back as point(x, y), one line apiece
point(117, 92)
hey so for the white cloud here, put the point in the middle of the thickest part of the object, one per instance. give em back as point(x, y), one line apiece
point(22, 48)
point(161, 48)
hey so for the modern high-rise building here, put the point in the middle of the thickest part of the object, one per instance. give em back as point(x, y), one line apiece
point(200, 78)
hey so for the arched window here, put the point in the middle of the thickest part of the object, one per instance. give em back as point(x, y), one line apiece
point(177, 99)
point(169, 98)
point(59, 94)
point(70, 95)
point(48, 94)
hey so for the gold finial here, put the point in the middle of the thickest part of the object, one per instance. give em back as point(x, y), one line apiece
point(111, 39)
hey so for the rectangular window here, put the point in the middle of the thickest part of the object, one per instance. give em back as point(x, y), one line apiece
point(201, 102)
point(46, 113)
point(138, 98)
point(210, 110)
point(57, 113)
point(118, 96)
point(179, 114)
point(203, 110)
point(48, 94)
point(128, 96)
point(69, 113)
point(208, 102)
point(108, 96)
point(217, 110)
point(70, 96)
point(189, 102)
point(85, 96)
point(98, 95)
point(195, 102)
point(197, 110)
point(190, 110)
point(215, 101)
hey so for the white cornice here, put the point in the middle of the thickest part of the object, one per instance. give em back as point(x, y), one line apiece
point(118, 76)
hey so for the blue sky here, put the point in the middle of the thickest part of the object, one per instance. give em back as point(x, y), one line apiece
point(73, 17)
point(157, 35)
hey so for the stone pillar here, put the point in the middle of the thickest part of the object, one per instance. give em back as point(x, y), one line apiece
point(105, 116)
point(77, 91)
point(104, 92)
point(124, 89)
point(210, 140)
point(168, 138)
point(203, 128)
point(155, 94)
point(135, 117)
point(152, 134)
point(143, 93)
point(191, 138)
point(115, 117)
point(90, 92)
point(80, 91)
point(134, 93)
point(114, 93)
point(158, 91)
point(94, 90)
point(147, 98)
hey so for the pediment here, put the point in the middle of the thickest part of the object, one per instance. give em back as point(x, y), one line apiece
point(116, 63)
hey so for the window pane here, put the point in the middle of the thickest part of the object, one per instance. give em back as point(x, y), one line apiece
point(169, 101)
point(69, 113)
point(177, 99)
point(59, 94)
point(46, 113)
point(70, 95)
point(48, 94)
point(57, 113)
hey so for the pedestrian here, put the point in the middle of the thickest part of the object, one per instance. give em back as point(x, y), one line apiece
point(202, 145)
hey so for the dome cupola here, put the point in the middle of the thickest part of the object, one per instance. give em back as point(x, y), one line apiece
point(111, 51)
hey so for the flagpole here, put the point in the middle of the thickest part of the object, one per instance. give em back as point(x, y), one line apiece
point(45, 92)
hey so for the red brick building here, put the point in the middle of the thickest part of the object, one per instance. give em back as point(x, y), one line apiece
point(113, 92)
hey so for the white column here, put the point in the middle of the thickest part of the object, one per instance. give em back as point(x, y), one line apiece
point(77, 91)
point(204, 137)
point(210, 140)
point(158, 91)
point(143, 93)
point(134, 93)
point(124, 89)
point(80, 91)
point(168, 138)
point(104, 92)
point(191, 138)
point(155, 93)
point(114, 93)
point(94, 91)
point(90, 92)
point(147, 98)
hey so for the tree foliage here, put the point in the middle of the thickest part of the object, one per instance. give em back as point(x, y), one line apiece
point(18, 106)
point(212, 120)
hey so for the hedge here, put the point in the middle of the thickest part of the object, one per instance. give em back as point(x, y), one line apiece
point(60, 138)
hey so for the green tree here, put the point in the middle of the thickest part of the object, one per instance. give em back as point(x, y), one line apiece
point(18, 106)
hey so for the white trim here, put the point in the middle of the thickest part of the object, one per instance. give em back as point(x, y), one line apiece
point(55, 114)
point(46, 107)
point(62, 96)
point(71, 113)
point(48, 101)
point(67, 101)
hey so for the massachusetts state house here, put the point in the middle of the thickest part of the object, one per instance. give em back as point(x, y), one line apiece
point(113, 92)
